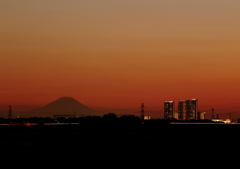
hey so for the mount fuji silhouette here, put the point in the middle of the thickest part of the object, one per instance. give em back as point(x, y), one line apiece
point(63, 106)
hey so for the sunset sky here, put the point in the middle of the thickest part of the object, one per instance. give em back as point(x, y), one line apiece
point(113, 55)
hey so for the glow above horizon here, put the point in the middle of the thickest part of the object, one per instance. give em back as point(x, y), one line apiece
point(119, 54)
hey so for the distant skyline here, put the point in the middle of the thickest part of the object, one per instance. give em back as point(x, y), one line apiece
point(114, 55)
point(154, 112)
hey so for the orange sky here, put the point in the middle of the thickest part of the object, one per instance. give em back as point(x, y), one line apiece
point(113, 55)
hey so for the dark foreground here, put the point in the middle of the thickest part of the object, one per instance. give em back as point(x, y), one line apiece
point(78, 143)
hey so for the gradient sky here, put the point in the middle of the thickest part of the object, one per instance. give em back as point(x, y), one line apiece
point(113, 55)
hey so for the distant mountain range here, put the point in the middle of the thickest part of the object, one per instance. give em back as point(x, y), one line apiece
point(63, 106)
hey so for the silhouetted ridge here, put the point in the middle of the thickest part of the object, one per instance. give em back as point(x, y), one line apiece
point(63, 106)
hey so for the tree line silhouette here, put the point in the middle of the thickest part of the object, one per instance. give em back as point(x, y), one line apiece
point(109, 118)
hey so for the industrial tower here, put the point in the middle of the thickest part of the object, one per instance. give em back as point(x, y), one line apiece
point(10, 112)
point(142, 111)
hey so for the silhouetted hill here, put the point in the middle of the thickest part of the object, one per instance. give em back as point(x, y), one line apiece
point(63, 106)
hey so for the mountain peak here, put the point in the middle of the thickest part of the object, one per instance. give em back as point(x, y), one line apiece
point(66, 98)
point(64, 106)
